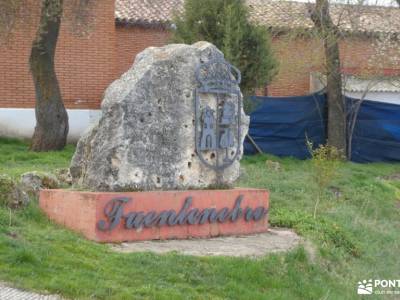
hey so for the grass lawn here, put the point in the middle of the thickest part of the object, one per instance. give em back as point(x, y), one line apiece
point(15, 159)
point(356, 237)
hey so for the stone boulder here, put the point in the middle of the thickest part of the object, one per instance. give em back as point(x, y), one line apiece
point(64, 176)
point(11, 193)
point(145, 138)
point(32, 182)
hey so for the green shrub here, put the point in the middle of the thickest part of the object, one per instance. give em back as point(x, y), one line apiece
point(325, 160)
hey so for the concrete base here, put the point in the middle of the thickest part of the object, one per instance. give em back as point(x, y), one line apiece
point(255, 245)
point(138, 216)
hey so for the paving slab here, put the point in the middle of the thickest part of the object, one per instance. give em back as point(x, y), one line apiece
point(9, 293)
point(275, 240)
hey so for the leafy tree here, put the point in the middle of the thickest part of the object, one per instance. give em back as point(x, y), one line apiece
point(225, 23)
point(51, 116)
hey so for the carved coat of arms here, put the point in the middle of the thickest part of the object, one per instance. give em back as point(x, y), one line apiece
point(218, 106)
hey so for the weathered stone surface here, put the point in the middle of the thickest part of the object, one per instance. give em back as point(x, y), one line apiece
point(144, 139)
point(64, 176)
point(32, 182)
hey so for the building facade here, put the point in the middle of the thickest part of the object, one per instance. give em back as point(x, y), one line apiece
point(86, 65)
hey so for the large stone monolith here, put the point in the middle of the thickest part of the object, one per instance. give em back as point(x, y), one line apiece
point(145, 138)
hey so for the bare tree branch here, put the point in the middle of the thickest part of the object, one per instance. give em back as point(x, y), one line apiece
point(80, 15)
point(10, 11)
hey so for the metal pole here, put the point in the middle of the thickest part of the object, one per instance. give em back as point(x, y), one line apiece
point(254, 144)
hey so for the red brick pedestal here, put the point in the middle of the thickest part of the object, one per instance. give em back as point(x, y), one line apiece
point(134, 216)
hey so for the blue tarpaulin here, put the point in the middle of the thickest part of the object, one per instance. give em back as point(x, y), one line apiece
point(376, 135)
point(281, 126)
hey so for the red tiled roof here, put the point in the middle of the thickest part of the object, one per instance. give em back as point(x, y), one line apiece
point(350, 18)
point(146, 12)
point(271, 13)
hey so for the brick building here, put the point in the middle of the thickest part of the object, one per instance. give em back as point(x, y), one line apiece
point(122, 28)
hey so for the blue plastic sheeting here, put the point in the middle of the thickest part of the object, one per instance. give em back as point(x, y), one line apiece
point(281, 126)
point(376, 135)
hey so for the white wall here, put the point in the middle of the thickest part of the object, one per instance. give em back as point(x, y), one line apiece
point(387, 97)
point(20, 122)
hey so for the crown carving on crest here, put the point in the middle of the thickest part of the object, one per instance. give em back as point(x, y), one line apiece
point(218, 75)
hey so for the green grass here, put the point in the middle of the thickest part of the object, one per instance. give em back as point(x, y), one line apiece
point(15, 159)
point(356, 236)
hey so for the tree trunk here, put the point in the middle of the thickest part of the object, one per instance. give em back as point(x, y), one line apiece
point(336, 102)
point(51, 116)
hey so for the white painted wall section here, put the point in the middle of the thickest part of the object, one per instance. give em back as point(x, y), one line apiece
point(20, 122)
point(386, 97)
